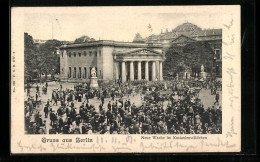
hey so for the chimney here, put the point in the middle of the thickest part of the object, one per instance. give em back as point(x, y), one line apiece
point(166, 30)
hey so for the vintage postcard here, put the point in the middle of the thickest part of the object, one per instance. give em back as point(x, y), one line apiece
point(157, 79)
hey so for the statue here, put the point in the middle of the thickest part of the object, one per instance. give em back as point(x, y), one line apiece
point(203, 75)
point(93, 79)
point(93, 72)
point(202, 68)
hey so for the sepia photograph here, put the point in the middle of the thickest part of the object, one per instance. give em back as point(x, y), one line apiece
point(162, 77)
point(125, 79)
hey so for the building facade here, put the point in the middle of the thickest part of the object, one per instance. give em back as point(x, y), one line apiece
point(113, 60)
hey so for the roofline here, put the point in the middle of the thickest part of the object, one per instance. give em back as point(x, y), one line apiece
point(112, 43)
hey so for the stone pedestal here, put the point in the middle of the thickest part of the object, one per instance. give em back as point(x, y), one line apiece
point(93, 82)
point(203, 75)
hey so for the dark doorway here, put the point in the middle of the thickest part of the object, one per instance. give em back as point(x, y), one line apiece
point(150, 66)
point(143, 69)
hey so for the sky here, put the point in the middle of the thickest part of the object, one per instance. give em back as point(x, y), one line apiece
point(114, 23)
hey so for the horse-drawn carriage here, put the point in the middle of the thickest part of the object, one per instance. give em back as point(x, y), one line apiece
point(35, 104)
point(194, 91)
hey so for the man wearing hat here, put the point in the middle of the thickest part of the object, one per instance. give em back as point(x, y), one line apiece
point(109, 106)
point(52, 117)
point(46, 111)
point(60, 123)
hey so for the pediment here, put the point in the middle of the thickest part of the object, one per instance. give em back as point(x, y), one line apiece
point(182, 39)
point(143, 51)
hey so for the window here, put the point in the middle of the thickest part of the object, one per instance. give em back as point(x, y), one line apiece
point(69, 75)
point(79, 54)
point(90, 53)
point(62, 71)
point(74, 54)
point(62, 54)
point(100, 73)
point(75, 73)
point(85, 73)
point(96, 53)
point(99, 52)
point(85, 54)
point(79, 72)
point(217, 54)
point(69, 54)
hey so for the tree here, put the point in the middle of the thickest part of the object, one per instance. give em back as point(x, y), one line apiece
point(174, 57)
point(192, 55)
point(83, 39)
point(31, 54)
point(49, 60)
point(200, 53)
point(138, 38)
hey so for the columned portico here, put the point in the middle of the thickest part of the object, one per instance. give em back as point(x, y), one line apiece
point(140, 64)
point(153, 69)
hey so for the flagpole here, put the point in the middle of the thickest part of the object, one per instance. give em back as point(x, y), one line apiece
point(52, 30)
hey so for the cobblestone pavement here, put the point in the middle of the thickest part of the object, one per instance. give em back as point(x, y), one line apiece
point(205, 96)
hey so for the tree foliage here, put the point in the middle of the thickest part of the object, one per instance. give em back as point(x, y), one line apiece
point(49, 58)
point(200, 53)
point(31, 54)
point(138, 38)
point(83, 39)
point(42, 59)
point(191, 56)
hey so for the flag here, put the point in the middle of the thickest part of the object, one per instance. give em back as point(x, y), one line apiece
point(150, 28)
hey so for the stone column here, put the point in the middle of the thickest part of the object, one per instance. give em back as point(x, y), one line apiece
point(66, 68)
point(132, 71)
point(139, 71)
point(161, 71)
point(146, 71)
point(117, 70)
point(123, 72)
point(153, 71)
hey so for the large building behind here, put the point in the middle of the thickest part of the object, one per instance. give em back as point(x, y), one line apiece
point(188, 33)
point(113, 61)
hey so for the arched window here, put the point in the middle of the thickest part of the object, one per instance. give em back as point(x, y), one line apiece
point(69, 72)
point(79, 72)
point(75, 72)
point(85, 73)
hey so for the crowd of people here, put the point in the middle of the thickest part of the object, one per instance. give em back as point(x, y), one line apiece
point(185, 114)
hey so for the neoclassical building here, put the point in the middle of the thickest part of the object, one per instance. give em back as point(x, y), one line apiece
point(113, 60)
